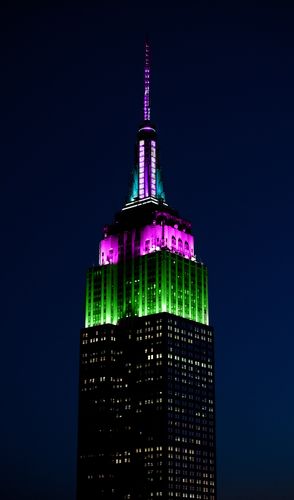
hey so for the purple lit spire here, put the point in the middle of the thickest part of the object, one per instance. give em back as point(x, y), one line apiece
point(146, 178)
point(147, 82)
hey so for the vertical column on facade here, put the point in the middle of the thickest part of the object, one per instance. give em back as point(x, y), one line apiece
point(183, 288)
point(190, 266)
point(87, 298)
point(145, 287)
point(163, 272)
point(140, 286)
point(108, 293)
point(114, 296)
point(203, 295)
point(177, 286)
point(124, 293)
point(206, 297)
point(102, 278)
point(169, 283)
point(157, 280)
point(133, 284)
point(200, 276)
point(195, 307)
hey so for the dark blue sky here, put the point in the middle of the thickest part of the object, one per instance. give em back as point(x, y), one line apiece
point(71, 100)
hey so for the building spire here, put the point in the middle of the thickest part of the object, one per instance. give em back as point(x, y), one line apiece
point(147, 82)
point(146, 180)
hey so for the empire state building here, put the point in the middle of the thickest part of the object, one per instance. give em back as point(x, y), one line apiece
point(146, 392)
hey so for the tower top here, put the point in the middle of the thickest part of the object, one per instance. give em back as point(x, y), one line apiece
point(146, 183)
point(147, 82)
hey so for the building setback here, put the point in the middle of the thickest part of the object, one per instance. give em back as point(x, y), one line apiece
point(146, 394)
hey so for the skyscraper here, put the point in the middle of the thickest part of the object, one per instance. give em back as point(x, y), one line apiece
point(147, 403)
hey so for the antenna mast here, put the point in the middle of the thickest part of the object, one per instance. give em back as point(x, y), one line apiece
point(147, 82)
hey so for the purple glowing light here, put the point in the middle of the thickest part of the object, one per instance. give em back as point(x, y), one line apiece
point(153, 237)
point(147, 83)
point(147, 168)
point(166, 237)
point(147, 128)
point(141, 169)
point(108, 253)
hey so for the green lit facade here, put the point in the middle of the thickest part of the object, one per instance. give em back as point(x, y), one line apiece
point(149, 284)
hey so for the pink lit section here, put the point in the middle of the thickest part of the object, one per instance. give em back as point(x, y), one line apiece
point(108, 252)
point(156, 237)
point(153, 238)
point(153, 168)
point(141, 169)
point(147, 168)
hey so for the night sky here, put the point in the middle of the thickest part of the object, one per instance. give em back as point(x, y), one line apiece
point(71, 94)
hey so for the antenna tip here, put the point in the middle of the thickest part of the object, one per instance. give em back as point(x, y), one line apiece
point(147, 82)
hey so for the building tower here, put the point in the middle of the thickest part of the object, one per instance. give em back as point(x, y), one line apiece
point(146, 401)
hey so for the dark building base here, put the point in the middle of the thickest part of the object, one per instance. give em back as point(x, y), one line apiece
point(146, 414)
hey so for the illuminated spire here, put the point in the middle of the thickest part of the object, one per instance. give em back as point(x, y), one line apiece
point(147, 82)
point(146, 176)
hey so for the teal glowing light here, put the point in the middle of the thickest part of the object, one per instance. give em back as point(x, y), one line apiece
point(134, 185)
point(159, 186)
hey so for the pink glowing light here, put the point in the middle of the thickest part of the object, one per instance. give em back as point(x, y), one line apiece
point(168, 237)
point(153, 238)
